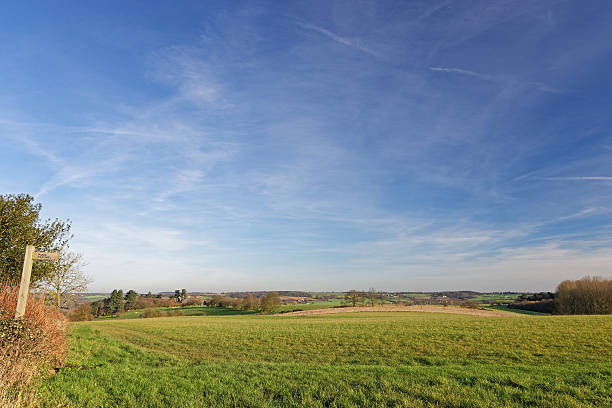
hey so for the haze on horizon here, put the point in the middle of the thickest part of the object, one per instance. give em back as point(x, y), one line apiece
point(320, 145)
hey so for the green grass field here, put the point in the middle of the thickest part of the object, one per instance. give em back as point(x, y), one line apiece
point(345, 360)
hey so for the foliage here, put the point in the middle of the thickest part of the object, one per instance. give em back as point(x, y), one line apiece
point(130, 299)
point(65, 279)
point(80, 313)
point(26, 345)
point(152, 313)
point(180, 295)
point(250, 302)
point(144, 302)
point(376, 360)
point(117, 303)
point(20, 225)
point(353, 297)
point(542, 306)
point(533, 297)
point(114, 304)
point(589, 295)
point(174, 313)
point(270, 302)
point(470, 304)
point(193, 301)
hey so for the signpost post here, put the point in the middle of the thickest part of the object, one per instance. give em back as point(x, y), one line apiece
point(24, 287)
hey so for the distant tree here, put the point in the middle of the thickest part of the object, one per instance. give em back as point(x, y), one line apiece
point(250, 302)
point(98, 308)
point(114, 304)
point(130, 299)
point(149, 295)
point(372, 295)
point(80, 313)
point(65, 279)
point(353, 297)
point(216, 300)
point(382, 298)
point(270, 302)
point(180, 295)
point(20, 225)
point(111, 303)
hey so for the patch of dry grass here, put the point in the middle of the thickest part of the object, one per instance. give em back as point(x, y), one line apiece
point(28, 346)
point(415, 308)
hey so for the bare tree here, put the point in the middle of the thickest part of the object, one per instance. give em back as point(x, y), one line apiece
point(372, 295)
point(382, 298)
point(353, 297)
point(66, 279)
point(589, 295)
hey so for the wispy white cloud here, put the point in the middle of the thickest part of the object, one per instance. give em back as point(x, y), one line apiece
point(237, 166)
point(464, 72)
point(576, 178)
point(502, 79)
point(339, 39)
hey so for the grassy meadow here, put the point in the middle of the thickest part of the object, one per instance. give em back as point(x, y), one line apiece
point(397, 359)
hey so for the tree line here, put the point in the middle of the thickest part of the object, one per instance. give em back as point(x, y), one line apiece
point(589, 295)
point(118, 302)
point(355, 297)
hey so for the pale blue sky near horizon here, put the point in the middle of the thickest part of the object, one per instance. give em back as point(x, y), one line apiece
point(316, 145)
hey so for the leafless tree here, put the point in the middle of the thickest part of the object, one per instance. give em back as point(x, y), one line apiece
point(589, 295)
point(372, 295)
point(382, 298)
point(66, 280)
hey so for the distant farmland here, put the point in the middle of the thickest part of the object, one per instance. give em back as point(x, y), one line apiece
point(383, 359)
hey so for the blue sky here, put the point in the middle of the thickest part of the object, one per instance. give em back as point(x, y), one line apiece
point(316, 145)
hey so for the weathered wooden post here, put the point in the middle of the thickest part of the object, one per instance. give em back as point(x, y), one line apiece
point(24, 287)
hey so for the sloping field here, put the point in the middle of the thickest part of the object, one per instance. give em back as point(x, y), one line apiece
point(415, 308)
point(374, 359)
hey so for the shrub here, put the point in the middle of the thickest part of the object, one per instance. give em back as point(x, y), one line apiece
point(27, 345)
point(145, 303)
point(193, 301)
point(175, 313)
point(80, 313)
point(152, 313)
point(542, 306)
point(470, 304)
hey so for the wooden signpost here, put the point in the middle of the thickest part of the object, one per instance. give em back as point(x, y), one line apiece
point(24, 287)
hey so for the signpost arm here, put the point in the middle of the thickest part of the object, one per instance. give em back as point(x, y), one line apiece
point(24, 287)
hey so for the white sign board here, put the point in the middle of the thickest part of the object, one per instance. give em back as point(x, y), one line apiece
point(46, 256)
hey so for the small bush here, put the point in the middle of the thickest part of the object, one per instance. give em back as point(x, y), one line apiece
point(175, 313)
point(151, 313)
point(145, 303)
point(542, 306)
point(193, 301)
point(470, 304)
point(80, 313)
